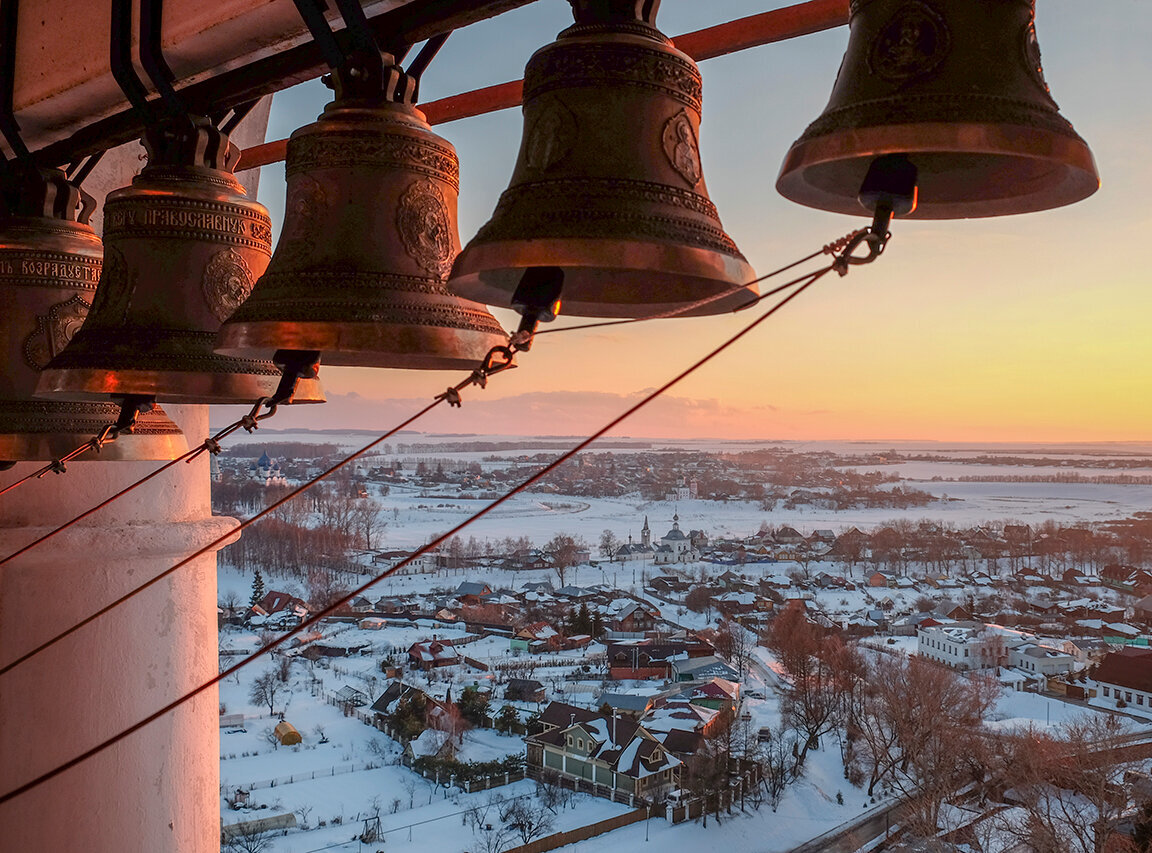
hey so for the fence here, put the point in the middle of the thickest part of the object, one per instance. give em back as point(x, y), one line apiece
point(559, 839)
point(468, 786)
point(307, 775)
point(596, 789)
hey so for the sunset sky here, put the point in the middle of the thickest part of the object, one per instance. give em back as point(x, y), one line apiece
point(1027, 328)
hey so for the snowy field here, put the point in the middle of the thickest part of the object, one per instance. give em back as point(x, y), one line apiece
point(415, 515)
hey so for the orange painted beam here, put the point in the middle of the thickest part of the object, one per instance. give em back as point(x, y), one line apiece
point(755, 30)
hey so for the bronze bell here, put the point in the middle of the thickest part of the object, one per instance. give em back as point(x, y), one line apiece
point(369, 235)
point(49, 265)
point(955, 86)
point(182, 247)
point(608, 184)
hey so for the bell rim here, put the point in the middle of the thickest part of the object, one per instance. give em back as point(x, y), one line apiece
point(502, 262)
point(98, 384)
point(39, 431)
point(861, 145)
point(359, 344)
point(128, 447)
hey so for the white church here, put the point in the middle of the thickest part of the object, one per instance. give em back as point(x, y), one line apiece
point(674, 546)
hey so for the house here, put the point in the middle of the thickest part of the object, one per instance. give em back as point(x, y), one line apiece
point(636, 617)
point(282, 607)
point(471, 592)
point(535, 638)
point(789, 536)
point(1036, 659)
point(702, 668)
point(430, 654)
point(431, 743)
point(618, 754)
point(965, 645)
point(632, 705)
point(524, 690)
point(1125, 677)
point(642, 660)
point(882, 579)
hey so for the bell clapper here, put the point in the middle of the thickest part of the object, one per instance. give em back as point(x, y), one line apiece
point(537, 298)
point(889, 189)
point(294, 365)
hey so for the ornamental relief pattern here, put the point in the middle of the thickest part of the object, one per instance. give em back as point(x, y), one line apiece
point(54, 330)
point(324, 151)
point(594, 64)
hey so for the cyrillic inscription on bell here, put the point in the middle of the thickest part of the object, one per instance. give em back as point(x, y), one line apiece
point(608, 185)
point(183, 248)
point(957, 87)
point(369, 236)
point(49, 265)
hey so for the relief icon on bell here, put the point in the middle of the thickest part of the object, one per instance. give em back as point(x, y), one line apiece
point(608, 185)
point(50, 262)
point(373, 179)
point(183, 248)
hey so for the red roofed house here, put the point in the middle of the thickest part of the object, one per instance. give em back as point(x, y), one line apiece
point(430, 654)
point(1126, 677)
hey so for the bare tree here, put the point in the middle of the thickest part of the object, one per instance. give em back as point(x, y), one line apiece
point(265, 689)
point(250, 841)
point(368, 521)
point(564, 548)
point(528, 818)
point(778, 763)
point(1069, 787)
point(609, 543)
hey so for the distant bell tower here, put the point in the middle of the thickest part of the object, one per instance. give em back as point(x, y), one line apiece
point(646, 535)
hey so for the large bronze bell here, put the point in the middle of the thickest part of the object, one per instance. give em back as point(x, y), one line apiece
point(49, 264)
point(608, 184)
point(956, 87)
point(182, 248)
point(369, 236)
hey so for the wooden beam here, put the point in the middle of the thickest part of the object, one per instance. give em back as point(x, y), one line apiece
point(753, 31)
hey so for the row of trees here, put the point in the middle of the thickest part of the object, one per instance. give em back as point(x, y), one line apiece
point(913, 728)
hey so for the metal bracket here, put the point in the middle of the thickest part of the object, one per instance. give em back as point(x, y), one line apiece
point(152, 57)
point(361, 68)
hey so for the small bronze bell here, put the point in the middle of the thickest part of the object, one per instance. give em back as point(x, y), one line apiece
point(608, 184)
point(369, 235)
point(956, 87)
point(49, 265)
point(183, 246)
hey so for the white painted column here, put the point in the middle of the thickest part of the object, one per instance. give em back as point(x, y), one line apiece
point(157, 790)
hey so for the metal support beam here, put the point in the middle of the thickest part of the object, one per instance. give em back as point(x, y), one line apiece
point(755, 30)
point(411, 23)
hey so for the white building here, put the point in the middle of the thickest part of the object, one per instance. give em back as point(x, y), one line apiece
point(973, 645)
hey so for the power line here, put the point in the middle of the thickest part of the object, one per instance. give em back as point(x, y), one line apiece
point(330, 609)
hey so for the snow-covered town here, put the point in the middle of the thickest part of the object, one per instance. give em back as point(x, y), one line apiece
point(586, 670)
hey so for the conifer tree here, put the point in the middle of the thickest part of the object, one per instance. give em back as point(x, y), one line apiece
point(257, 588)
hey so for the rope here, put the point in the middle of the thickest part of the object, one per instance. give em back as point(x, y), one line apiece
point(274, 644)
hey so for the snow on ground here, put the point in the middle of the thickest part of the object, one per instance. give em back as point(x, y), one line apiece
point(1018, 710)
point(413, 517)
